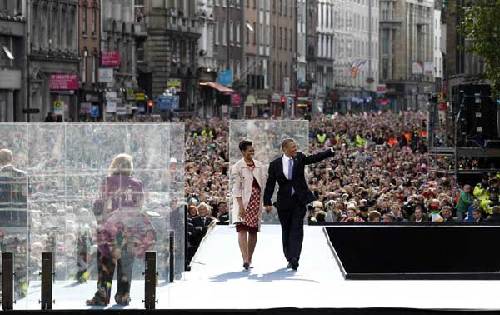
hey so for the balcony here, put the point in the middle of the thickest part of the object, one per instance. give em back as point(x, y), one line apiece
point(183, 25)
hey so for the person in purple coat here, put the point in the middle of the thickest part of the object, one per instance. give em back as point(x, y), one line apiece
point(123, 232)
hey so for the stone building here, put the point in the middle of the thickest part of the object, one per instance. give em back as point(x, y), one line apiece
point(12, 60)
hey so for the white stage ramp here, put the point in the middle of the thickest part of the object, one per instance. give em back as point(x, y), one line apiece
point(218, 282)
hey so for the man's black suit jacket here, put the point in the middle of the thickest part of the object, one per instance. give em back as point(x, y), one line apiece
point(298, 182)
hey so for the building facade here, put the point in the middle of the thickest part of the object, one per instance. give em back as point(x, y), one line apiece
point(282, 74)
point(306, 93)
point(53, 59)
point(355, 52)
point(324, 53)
point(89, 32)
point(406, 51)
point(118, 56)
point(207, 63)
point(12, 60)
point(301, 42)
point(171, 52)
point(257, 54)
point(462, 67)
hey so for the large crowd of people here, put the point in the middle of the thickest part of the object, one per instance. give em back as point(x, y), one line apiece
point(382, 172)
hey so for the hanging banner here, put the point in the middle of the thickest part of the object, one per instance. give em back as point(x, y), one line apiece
point(111, 59)
point(63, 82)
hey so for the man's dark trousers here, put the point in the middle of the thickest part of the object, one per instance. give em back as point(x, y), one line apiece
point(292, 228)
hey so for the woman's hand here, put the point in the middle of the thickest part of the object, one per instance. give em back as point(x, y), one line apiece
point(242, 212)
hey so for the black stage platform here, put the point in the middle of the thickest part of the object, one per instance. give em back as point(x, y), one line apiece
point(416, 252)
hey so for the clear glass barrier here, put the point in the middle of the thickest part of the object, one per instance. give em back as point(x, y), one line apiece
point(100, 196)
point(266, 136)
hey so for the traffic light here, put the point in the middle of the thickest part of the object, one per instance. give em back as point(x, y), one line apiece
point(283, 100)
point(150, 106)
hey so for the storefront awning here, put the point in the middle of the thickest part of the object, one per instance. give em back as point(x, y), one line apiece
point(219, 87)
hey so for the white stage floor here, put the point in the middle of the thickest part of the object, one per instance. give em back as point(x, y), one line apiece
point(217, 281)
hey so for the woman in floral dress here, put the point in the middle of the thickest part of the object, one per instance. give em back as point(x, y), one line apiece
point(249, 178)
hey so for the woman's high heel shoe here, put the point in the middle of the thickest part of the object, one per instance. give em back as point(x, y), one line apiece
point(246, 266)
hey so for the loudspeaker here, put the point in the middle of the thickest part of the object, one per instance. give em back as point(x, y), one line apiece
point(478, 114)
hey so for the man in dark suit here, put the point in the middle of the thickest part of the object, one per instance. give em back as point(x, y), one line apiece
point(293, 196)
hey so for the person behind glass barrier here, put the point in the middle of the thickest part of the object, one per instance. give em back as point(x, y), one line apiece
point(202, 222)
point(293, 195)
point(14, 216)
point(123, 233)
point(223, 214)
point(249, 178)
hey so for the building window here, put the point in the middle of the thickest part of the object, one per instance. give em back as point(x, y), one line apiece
point(224, 34)
point(217, 29)
point(238, 35)
point(84, 65)
point(248, 33)
point(231, 33)
point(84, 19)
point(254, 33)
point(93, 68)
point(286, 40)
point(95, 18)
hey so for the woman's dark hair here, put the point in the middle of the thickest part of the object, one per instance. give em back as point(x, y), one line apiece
point(244, 145)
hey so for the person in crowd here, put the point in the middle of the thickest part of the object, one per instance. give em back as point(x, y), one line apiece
point(293, 195)
point(388, 218)
point(419, 216)
point(249, 177)
point(124, 232)
point(223, 213)
point(374, 217)
point(495, 216)
point(464, 201)
point(202, 224)
point(192, 212)
point(447, 214)
point(351, 214)
point(477, 216)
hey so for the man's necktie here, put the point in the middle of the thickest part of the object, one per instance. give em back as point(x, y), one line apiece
point(290, 171)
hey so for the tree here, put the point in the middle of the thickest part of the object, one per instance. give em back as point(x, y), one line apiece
point(481, 27)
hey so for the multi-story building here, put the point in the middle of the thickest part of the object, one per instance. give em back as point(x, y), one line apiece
point(307, 92)
point(207, 63)
point(118, 54)
point(257, 52)
point(171, 51)
point(12, 60)
point(324, 52)
point(228, 44)
point(355, 29)
point(438, 49)
point(462, 67)
point(282, 67)
point(53, 63)
point(301, 64)
point(89, 31)
point(406, 51)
